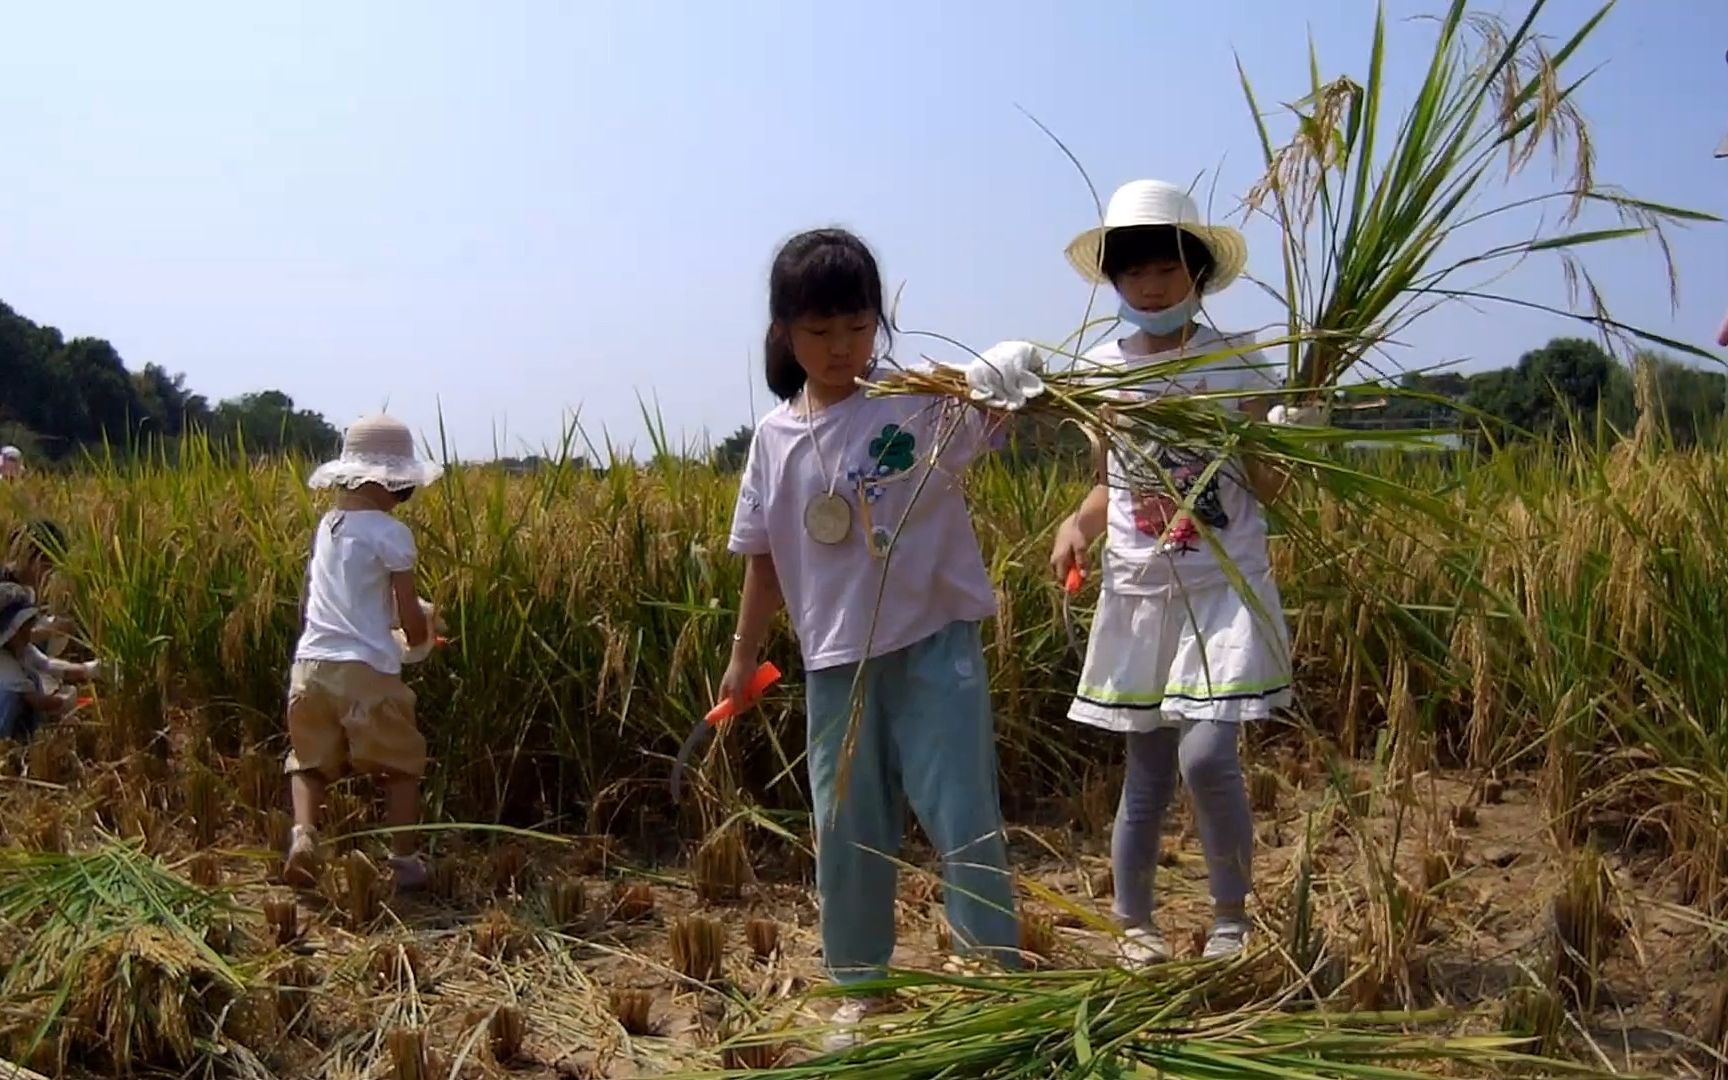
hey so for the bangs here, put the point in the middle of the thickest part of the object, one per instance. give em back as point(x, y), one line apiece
point(1136, 246)
point(824, 280)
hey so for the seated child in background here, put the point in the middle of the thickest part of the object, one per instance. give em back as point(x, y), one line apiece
point(33, 551)
point(348, 707)
point(30, 683)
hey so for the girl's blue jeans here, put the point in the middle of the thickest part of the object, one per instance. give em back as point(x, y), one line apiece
point(925, 736)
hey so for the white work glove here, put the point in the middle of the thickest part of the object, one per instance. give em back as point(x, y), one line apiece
point(1006, 376)
point(1297, 415)
point(93, 670)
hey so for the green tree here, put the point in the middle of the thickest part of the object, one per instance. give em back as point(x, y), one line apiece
point(734, 449)
point(1691, 401)
point(268, 422)
point(170, 407)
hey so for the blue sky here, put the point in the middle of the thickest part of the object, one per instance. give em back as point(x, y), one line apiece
point(519, 210)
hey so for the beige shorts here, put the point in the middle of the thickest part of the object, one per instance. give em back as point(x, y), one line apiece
point(344, 715)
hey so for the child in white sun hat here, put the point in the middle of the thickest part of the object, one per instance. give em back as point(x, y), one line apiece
point(348, 708)
point(1178, 657)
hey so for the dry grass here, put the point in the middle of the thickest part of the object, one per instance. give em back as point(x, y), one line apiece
point(698, 946)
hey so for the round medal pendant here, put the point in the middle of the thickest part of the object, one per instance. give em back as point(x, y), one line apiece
point(828, 518)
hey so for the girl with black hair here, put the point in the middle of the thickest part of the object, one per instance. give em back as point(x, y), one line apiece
point(852, 517)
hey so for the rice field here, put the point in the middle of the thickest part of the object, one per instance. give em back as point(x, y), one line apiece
point(1500, 812)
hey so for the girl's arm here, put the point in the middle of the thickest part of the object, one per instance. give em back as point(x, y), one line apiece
point(408, 610)
point(757, 605)
point(1267, 480)
point(1078, 530)
point(64, 670)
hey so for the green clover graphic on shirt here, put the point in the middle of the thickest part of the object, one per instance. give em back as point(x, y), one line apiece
point(892, 451)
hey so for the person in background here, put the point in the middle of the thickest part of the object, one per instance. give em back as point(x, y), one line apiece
point(1179, 656)
point(348, 708)
point(33, 689)
point(885, 590)
point(11, 463)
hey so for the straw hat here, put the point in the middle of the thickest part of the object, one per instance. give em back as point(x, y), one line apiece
point(17, 607)
point(1154, 202)
point(376, 450)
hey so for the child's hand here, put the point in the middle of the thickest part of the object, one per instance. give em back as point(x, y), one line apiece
point(1069, 551)
point(1006, 375)
point(735, 684)
point(1297, 415)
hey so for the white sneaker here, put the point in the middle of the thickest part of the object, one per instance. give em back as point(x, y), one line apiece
point(301, 868)
point(1227, 940)
point(1143, 946)
point(844, 1034)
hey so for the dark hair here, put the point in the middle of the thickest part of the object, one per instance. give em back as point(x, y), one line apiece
point(820, 273)
point(1132, 247)
point(40, 538)
point(402, 495)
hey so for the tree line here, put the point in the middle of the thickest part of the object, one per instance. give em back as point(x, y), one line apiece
point(60, 397)
point(1569, 384)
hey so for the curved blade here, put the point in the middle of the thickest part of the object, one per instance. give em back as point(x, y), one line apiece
point(698, 735)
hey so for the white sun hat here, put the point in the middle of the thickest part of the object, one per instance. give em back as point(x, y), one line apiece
point(378, 450)
point(11, 453)
point(1154, 202)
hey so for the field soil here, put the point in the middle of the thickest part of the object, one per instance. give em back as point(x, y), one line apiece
point(571, 936)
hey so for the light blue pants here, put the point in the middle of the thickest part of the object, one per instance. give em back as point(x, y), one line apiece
point(925, 736)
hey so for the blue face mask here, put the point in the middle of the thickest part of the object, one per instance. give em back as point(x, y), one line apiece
point(1164, 322)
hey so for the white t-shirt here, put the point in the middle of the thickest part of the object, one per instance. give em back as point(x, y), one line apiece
point(350, 609)
point(880, 449)
point(1141, 558)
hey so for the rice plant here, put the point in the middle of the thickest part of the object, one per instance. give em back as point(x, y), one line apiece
point(114, 954)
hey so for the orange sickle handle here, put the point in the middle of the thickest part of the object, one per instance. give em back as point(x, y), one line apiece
point(766, 675)
point(1076, 577)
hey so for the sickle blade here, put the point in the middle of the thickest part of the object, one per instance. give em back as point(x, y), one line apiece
point(692, 742)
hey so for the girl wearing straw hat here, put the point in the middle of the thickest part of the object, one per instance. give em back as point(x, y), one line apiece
point(348, 707)
point(1179, 656)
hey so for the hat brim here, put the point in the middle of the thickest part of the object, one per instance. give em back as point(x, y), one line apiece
point(16, 622)
point(391, 474)
point(1228, 248)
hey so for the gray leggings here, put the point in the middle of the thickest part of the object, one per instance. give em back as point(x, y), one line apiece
point(1206, 752)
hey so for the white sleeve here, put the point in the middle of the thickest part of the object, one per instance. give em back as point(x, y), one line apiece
point(395, 546)
point(750, 515)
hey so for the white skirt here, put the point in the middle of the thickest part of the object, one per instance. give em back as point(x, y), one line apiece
point(1194, 654)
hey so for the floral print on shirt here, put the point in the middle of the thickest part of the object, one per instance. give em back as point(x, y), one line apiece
point(1158, 509)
